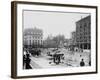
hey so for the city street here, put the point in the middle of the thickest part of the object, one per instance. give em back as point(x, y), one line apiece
point(71, 59)
point(52, 47)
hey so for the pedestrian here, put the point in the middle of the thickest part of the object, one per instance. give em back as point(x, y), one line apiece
point(90, 63)
point(82, 63)
point(24, 59)
point(58, 57)
point(54, 58)
point(28, 60)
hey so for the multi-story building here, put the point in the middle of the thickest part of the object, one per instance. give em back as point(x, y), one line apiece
point(73, 37)
point(72, 41)
point(33, 37)
point(83, 33)
point(69, 44)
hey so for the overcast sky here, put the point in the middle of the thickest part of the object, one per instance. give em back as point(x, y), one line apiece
point(52, 22)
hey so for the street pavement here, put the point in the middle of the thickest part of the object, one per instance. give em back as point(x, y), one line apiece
point(72, 59)
point(44, 63)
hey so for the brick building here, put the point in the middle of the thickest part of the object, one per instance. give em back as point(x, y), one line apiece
point(83, 33)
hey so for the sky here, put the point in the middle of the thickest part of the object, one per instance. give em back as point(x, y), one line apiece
point(52, 23)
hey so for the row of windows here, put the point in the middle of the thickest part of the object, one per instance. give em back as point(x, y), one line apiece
point(83, 35)
point(84, 23)
point(33, 42)
point(39, 33)
point(82, 39)
point(85, 40)
point(33, 37)
point(37, 37)
point(83, 30)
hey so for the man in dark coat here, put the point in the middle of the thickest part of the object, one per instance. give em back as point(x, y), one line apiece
point(28, 60)
point(82, 63)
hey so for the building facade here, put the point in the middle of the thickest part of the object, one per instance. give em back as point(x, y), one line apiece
point(72, 41)
point(83, 33)
point(33, 37)
point(73, 37)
